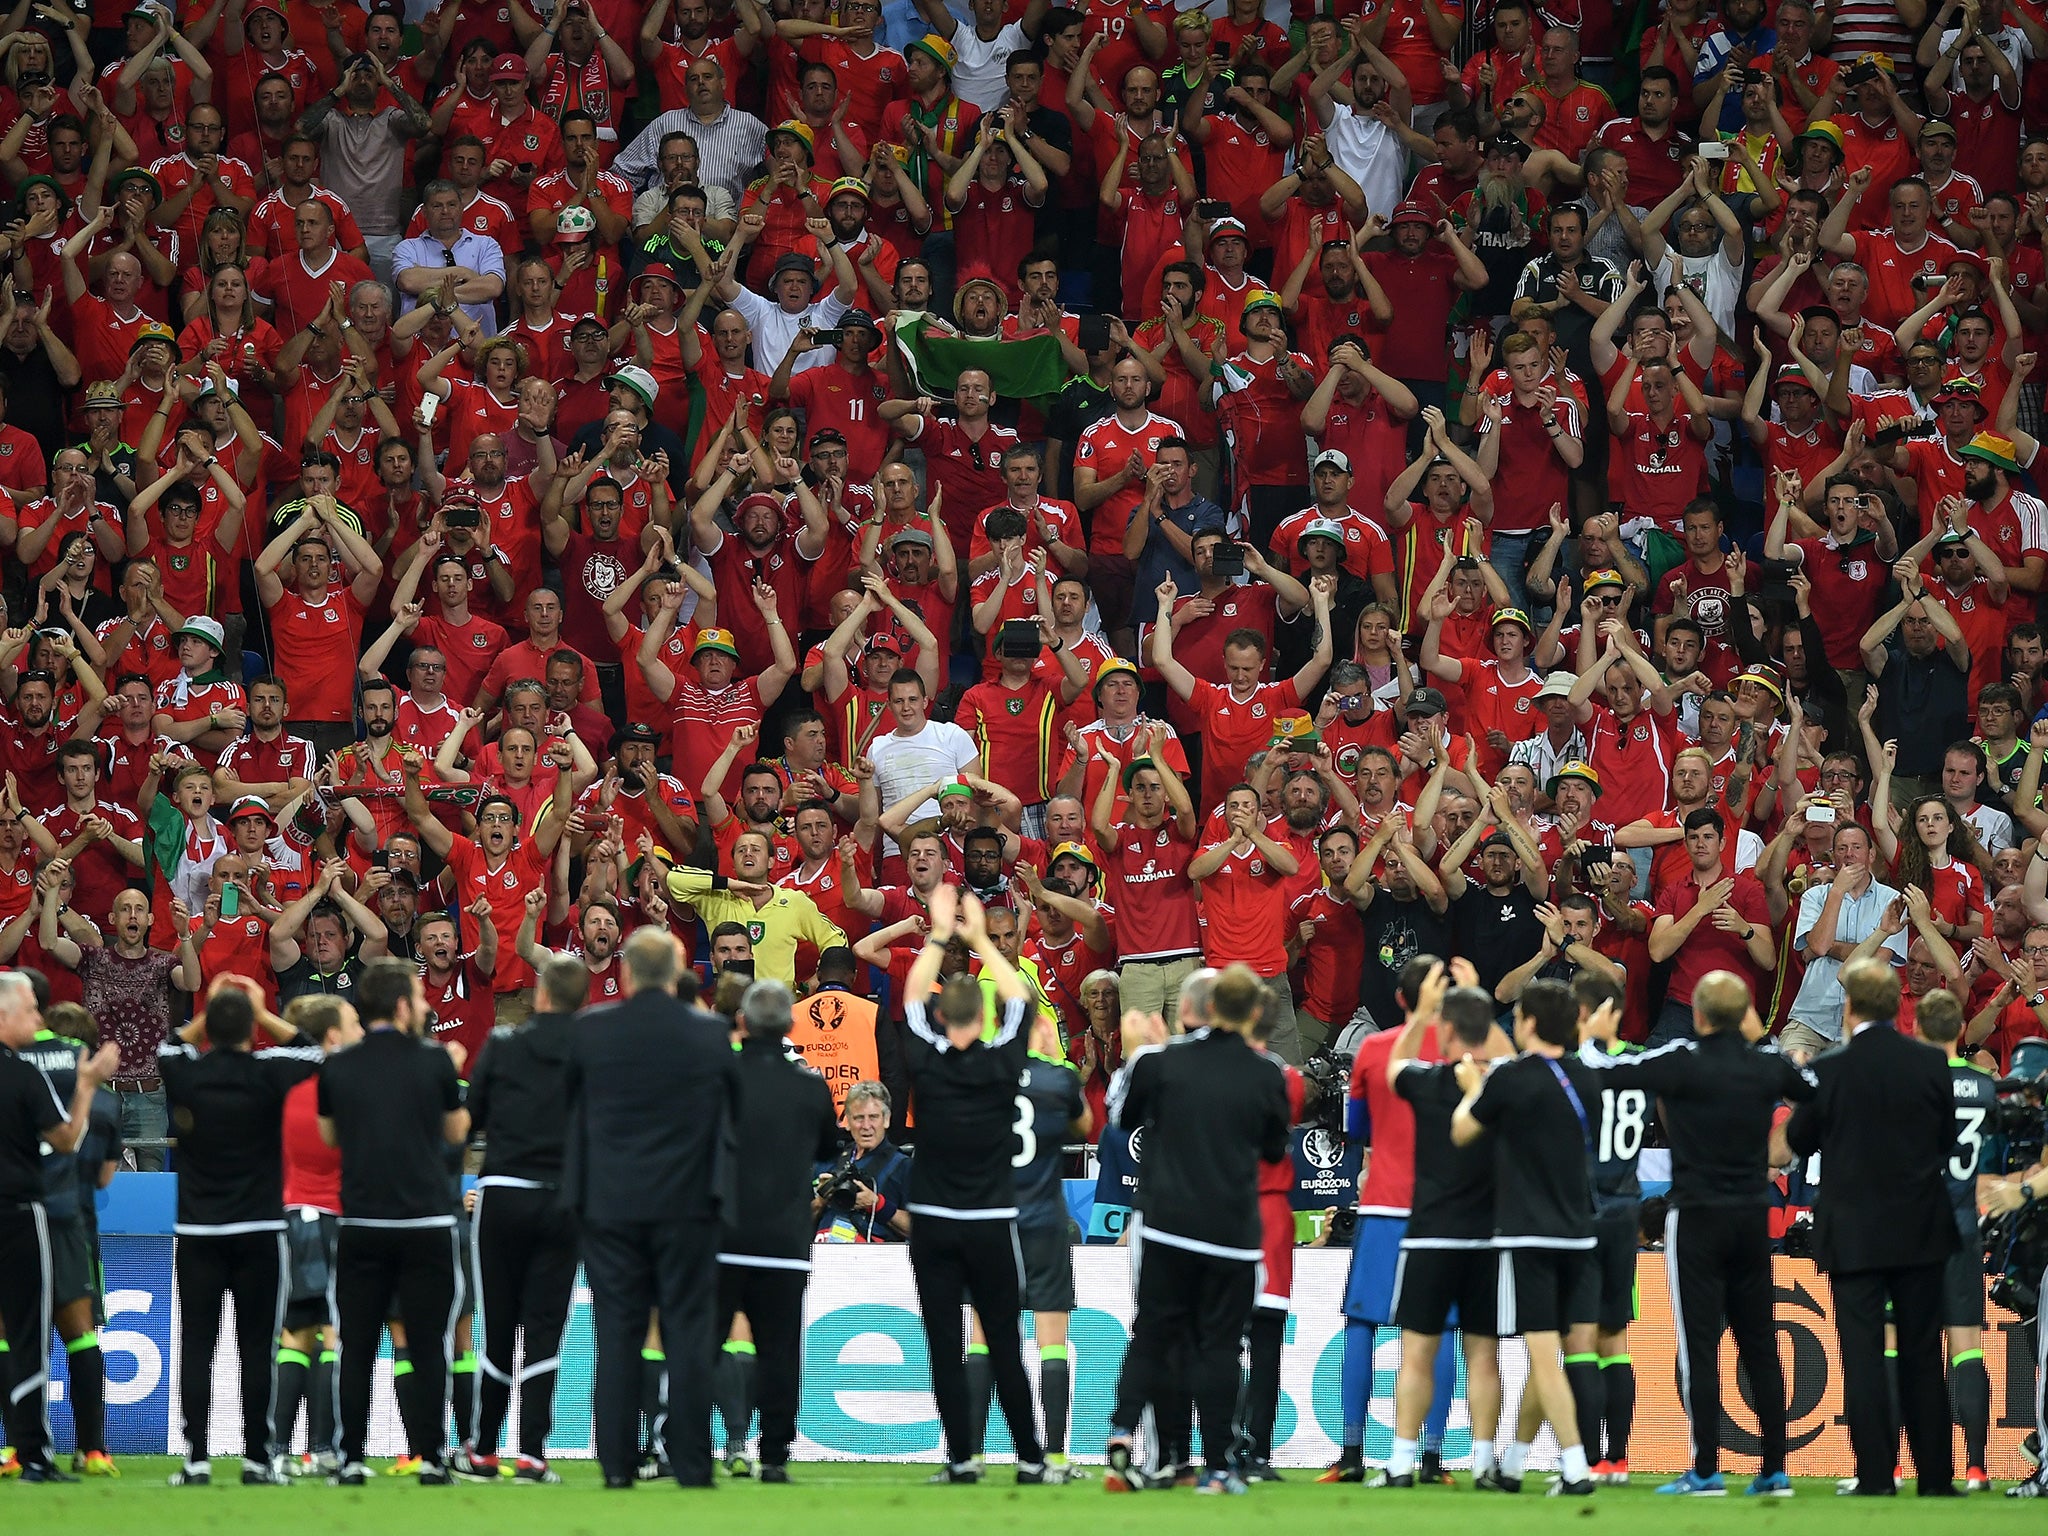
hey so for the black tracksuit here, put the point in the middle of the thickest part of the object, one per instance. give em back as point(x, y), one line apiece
point(388, 1098)
point(1211, 1109)
point(1717, 1094)
point(787, 1126)
point(963, 1218)
point(228, 1107)
point(522, 1234)
point(28, 1106)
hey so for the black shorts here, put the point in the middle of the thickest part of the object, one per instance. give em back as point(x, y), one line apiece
point(309, 1236)
point(1536, 1287)
point(72, 1271)
point(1428, 1282)
point(1048, 1269)
point(1604, 1293)
point(1962, 1278)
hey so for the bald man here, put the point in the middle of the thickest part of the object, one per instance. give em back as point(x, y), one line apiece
point(1719, 1093)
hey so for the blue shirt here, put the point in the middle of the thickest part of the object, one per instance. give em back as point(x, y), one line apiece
point(479, 253)
point(1819, 1004)
point(1714, 54)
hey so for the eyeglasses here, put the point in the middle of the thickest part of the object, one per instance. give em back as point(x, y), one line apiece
point(430, 666)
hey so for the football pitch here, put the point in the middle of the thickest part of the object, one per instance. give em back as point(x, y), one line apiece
point(893, 1498)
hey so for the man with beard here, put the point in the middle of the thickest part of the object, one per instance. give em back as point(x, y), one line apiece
point(760, 800)
point(1073, 937)
point(269, 762)
point(593, 561)
point(598, 936)
point(762, 554)
point(498, 863)
point(31, 739)
point(458, 985)
point(1429, 265)
point(1495, 923)
point(641, 796)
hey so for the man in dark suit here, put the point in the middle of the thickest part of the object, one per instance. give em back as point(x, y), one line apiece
point(653, 1099)
point(1882, 1119)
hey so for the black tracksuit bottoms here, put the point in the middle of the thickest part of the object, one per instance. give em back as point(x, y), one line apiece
point(417, 1264)
point(254, 1268)
point(954, 1260)
point(1719, 1261)
point(523, 1252)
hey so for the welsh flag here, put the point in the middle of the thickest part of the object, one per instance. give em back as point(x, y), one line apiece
point(1030, 369)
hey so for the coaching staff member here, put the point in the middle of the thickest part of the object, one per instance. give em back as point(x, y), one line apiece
point(1717, 1093)
point(521, 1234)
point(963, 1194)
point(653, 1094)
point(393, 1106)
point(787, 1126)
point(1212, 1109)
point(228, 1108)
point(1882, 1118)
point(31, 1114)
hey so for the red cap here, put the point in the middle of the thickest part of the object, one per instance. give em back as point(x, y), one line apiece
point(1411, 212)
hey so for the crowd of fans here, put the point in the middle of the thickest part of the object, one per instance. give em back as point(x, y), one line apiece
point(1302, 491)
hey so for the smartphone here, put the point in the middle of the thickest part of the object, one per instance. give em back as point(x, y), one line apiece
point(829, 338)
point(1820, 815)
point(1859, 74)
point(429, 404)
point(231, 900)
point(1713, 149)
point(1212, 208)
point(1228, 560)
point(462, 517)
point(1092, 334)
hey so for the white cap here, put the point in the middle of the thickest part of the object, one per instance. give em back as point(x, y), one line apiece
point(1558, 685)
point(1331, 456)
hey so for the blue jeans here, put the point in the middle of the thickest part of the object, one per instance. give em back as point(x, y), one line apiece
point(145, 1117)
point(1509, 559)
point(1674, 1022)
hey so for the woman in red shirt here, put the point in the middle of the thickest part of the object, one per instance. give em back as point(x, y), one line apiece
point(1933, 849)
point(488, 401)
point(222, 243)
point(227, 327)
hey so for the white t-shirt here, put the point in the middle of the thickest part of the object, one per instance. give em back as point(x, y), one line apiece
point(939, 751)
point(1715, 280)
point(978, 66)
point(1370, 155)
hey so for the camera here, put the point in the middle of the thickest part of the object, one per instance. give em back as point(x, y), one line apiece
point(2021, 1120)
point(2015, 1245)
point(1019, 639)
point(1343, 1228)
point(844, 1184)
point(1327, 1078)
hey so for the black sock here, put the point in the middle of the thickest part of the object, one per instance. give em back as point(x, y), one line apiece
point(1969, 1390)
point(87, 1369)
point(462, 1393)
point(1589, 1397)
point(981, 1386)
point(1618, 1376)
point(653, 1399)
point(320, 1403)
point(293, 1367)
point(1891, 1396)
point(1055, 1385)
point(732, 1391)
point(405, 1386)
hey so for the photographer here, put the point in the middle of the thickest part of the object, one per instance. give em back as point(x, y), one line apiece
point(860, 1198)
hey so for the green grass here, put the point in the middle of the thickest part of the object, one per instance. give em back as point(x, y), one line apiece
point(893, 1499)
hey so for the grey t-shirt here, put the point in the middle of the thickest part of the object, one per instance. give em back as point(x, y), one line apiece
point(363, 163)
